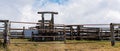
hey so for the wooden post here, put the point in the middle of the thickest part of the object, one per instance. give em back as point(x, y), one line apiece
point(112, 34)
point(99, 33)
point(64, 35)
point(71, 33)
point(78, 31)
point(43, 27)
point(54, 38)
point(52, 21)
point(32, 36)
point(6, 33)
point(23, 32)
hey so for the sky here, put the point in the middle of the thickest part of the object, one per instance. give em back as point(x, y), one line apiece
point(69, 11)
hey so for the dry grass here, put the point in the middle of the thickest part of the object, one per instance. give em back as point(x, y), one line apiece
point(82, 45)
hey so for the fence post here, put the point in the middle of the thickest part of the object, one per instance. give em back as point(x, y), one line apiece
point(99, 33)
point(112, 34)
point(6, 34)
point(23, 33)
point(64, 35)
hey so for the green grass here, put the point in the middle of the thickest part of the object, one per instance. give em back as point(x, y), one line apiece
point(73, 45)
point(19, 40)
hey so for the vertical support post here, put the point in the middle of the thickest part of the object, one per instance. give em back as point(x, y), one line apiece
point(71, 32)
point(52, 21)
point(54, 38)
point(64, 32)
point(23, 32)
point(6, 32)
point(112, 34)
point(43, 27)
point(32, 36)
point(78, 31)
point(99, 33)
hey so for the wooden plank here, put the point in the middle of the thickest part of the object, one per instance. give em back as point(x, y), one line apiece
point(2, 27)
point(90, 24)
point(4, 20)
point(47, 12)
point(37, 42)
point(26, 22)
point(47, 36)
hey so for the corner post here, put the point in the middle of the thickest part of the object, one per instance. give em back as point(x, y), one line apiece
point(6, 33)
point(112, 34)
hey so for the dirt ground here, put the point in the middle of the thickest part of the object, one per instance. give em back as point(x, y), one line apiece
point(81, 45)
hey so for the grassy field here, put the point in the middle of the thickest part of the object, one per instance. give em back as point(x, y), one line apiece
point(74, 45)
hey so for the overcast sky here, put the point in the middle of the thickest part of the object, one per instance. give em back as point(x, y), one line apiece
point(70, 11)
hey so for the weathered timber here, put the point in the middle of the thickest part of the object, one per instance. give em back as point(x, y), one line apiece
point(112, 34)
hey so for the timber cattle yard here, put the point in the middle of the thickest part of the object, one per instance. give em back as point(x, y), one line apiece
point(46, 35)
